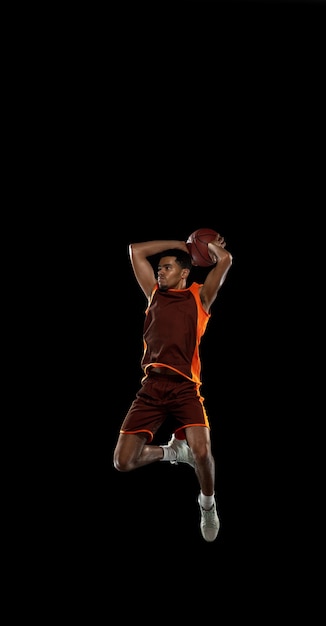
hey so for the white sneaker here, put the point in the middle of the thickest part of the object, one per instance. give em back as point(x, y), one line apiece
point(209, 523)
point(184, 454)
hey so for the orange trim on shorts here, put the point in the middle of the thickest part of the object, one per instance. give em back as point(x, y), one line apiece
point(136, 432)
point(179, 432)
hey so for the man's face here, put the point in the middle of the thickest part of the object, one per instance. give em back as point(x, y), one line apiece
point(169, 273)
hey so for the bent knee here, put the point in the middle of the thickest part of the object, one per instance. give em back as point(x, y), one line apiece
point(121, 467)
point(201, 453)
point(121, 464)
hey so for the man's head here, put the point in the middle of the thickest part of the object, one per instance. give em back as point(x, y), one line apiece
point(173, 269)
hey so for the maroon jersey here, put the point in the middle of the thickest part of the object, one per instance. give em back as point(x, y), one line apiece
point(179, 321)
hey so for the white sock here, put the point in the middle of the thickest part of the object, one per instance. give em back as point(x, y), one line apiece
point(169, 454)
point(206, 501)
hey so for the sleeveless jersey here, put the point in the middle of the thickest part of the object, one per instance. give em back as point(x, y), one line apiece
point(175, 322)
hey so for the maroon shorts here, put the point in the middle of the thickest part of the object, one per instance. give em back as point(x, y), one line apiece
point(163, 395)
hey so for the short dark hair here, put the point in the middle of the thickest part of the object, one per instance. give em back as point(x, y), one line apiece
point(181, 257)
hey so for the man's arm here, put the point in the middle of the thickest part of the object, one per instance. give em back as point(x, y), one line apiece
point(215, 278)
point(143, 269)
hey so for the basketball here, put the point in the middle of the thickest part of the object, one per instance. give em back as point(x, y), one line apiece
point(197, 246)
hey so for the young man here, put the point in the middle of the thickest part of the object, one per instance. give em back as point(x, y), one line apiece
point(175, 320)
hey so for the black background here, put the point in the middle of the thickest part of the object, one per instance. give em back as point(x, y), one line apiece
point(203, 120)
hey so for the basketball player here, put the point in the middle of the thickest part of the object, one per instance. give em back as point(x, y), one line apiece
point(175, 320)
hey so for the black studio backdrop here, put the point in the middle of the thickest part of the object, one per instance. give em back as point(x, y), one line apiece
point(235, 153)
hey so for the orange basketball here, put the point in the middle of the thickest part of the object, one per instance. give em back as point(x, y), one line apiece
point(197, 246)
